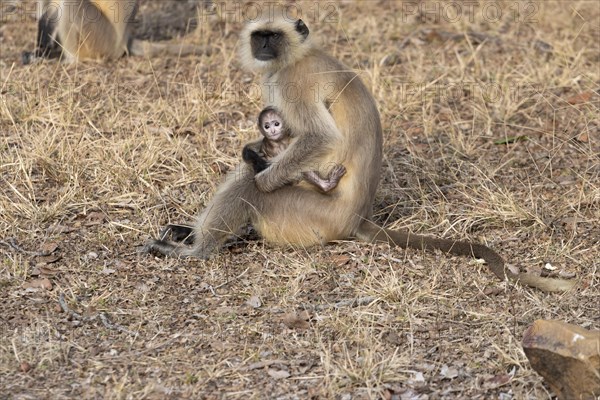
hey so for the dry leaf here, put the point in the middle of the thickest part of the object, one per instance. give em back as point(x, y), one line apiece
point(219, 167)
point(393, 338)
point(94, 218)
point(498, 380)
point(340, 260)
point(448, 372)
point(49, 247)
point(583, 137)
point(160, 130)
point(225, 310)
point(580, 98)
point(46, 271)
point(38, 284)
point(570, 223)
point(387, 394)
point(278, 374)
point(566, 274)
point(58, 228)
point(513, 268)
point(108, 271)
point(221, 346)
point(25, 366)
point(254, 302)
point(304, 366)
point(142, 287)
point(48, 259)
point(493, 291)
point(417, 378)
point(296, 321)
point(264, 363)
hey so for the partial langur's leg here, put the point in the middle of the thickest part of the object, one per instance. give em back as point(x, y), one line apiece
point(229, 210)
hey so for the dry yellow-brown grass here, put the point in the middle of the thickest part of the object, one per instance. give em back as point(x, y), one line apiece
point(96, 157)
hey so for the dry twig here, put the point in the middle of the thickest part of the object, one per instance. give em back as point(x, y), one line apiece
point(12, 243)
point(360, 301)
point(102, 316)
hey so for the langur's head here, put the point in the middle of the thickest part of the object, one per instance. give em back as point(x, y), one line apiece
point(273, 41)
point(271, 124)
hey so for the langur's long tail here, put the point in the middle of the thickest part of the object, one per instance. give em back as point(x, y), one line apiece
point(371, 232)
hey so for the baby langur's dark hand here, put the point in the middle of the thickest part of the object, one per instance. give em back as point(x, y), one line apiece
point(253, 158)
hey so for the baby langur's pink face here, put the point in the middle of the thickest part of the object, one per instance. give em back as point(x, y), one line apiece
point(272, 126)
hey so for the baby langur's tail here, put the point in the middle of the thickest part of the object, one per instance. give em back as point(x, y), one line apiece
point(145, 48)
point(371, 232)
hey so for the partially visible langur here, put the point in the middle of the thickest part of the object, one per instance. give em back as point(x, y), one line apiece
point(333, 119)
point(276, 138)
point(94, 29)
point(46, 43)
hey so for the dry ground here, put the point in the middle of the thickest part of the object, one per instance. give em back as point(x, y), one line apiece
point(95, 158)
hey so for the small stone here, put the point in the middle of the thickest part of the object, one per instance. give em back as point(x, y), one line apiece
point(549, 267)
point(566, 356)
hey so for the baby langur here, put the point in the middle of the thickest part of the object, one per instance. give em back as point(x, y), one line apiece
point(276, 139)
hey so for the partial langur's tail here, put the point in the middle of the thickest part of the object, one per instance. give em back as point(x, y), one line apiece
point(145, 48)
point(371, 232)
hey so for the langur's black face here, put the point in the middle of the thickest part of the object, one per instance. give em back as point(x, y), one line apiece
point(269, 44)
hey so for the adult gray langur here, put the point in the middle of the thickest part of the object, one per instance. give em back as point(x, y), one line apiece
point(333, 120)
